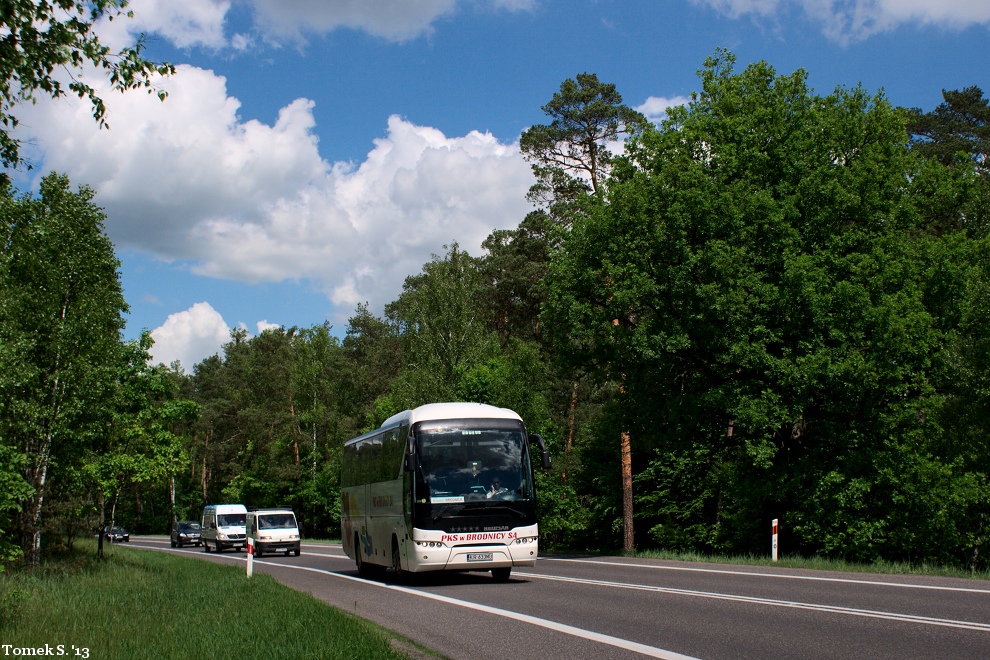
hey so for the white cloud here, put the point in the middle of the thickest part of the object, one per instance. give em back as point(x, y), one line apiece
point(191, 23)
point(845, 21)
point(395, 20)
point(187, 179)
point(190, 336)
point(737, 8)
point(655, 107)
point(265, 325)
point(185, 23)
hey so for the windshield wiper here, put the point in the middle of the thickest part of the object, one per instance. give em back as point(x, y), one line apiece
point(478, 507)
point(443, 512)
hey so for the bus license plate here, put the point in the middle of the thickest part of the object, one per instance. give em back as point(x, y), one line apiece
point(479, 556)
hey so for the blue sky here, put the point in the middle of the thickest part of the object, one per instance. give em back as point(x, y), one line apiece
point(313, 153)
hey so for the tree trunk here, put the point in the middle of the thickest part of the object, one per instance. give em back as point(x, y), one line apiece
point(296, 432)
point(37, 477)
point(316, 448)
point(979, 537)
point(171, 498)
point(40, 472)
point(203, 475)
point(628, 532)
point(102, 500)
point(570, 433)
point(113, 508)
point(138, 504)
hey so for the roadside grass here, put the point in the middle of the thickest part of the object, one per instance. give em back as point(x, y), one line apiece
point(821, 564)
point(155, 605)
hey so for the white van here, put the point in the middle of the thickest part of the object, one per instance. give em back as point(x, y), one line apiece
point(223, 527)
point(273, 530)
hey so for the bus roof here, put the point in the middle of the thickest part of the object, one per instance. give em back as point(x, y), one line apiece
point(432, 411)
point(438, 411)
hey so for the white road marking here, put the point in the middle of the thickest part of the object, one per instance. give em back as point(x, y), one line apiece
point(650, 651)
point(849, 611)
point(834, 609)
point(722, 571)
point(626, 644)
point(320, 554)
point(784, 576)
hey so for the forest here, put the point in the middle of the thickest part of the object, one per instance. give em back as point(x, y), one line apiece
point(771, 305)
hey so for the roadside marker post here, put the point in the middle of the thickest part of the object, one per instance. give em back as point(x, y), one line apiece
point(773, 539)
point(250, 555)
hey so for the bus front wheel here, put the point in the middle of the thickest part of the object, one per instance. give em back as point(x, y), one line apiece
point(401, 575)
point(362, 568)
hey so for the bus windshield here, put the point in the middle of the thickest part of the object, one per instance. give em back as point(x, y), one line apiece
point(473, 460)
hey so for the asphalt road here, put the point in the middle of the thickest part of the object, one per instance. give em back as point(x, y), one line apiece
point(582, 607)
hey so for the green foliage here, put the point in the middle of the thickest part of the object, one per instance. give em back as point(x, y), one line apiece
point(276, 410)
point(140, 445)
point(959, 126)
point(14, 489)
point(513, 272)
point(780, 296)
point(955, 134)
point(760, 276)
point(565, 519)
point(512, 380)
point(444, 329)
point(570, 154)
point(83, 415)
point(40, 36)
point(60, 322)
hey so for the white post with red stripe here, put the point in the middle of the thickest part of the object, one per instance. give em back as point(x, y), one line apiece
point(250, 555)
point(774, 540)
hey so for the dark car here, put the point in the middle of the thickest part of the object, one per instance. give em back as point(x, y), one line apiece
point(186, 532)
point(116, 534)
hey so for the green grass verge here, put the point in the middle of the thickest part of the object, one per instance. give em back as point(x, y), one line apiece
point(822, 564)
point(154, 605)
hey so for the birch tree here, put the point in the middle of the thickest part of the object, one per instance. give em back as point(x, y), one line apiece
point(61, 309)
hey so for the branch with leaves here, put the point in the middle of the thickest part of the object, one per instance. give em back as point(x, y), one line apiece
point(41, 39)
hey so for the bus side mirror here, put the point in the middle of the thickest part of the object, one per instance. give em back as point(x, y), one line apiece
point(410, 462)
point(544, 454)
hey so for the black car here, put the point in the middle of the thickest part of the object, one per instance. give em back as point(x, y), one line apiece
point(116, 534)
point(186, 532)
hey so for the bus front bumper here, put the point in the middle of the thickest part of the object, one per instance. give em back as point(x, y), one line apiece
point(474, 557)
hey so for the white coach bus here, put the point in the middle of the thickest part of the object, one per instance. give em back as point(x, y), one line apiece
point(447, 486)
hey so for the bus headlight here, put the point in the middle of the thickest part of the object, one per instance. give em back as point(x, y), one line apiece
point(429, 544)
point(525, 539)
